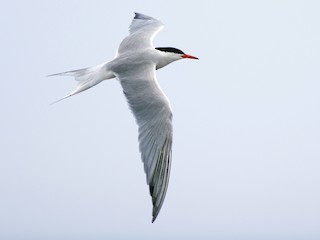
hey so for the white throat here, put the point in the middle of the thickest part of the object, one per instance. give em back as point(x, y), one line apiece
point(166, 58)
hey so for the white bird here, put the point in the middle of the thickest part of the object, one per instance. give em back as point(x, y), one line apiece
point(134, 65)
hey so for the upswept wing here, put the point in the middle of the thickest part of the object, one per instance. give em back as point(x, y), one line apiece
point(152, 111)
point(142, 31)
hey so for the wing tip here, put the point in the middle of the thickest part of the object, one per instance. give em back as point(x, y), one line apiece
point(156, 211)
point(153, 219)
point(142, 16)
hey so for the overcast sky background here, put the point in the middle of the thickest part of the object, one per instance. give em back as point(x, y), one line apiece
point(246, 152)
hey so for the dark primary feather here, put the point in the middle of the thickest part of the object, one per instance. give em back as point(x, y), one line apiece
point(160, 179)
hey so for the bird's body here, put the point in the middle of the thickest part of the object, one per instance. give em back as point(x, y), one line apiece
point(134, 66)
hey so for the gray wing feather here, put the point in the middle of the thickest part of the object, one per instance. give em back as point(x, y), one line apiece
point(141, 21)
point(142, 31)
point(152, 111)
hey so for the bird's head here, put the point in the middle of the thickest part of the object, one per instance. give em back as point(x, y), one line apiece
point(170, 55)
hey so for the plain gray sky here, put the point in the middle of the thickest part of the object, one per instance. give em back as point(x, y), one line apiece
point(246, 152)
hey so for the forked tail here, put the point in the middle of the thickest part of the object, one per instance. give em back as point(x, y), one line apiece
point(86, 77)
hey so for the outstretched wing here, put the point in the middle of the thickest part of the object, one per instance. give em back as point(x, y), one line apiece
point(152, 111)
point(142, 31)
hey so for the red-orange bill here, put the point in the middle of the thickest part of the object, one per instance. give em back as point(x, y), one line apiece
point(189, 56)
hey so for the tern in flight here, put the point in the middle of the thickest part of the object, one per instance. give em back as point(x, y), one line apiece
point(135, 66)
